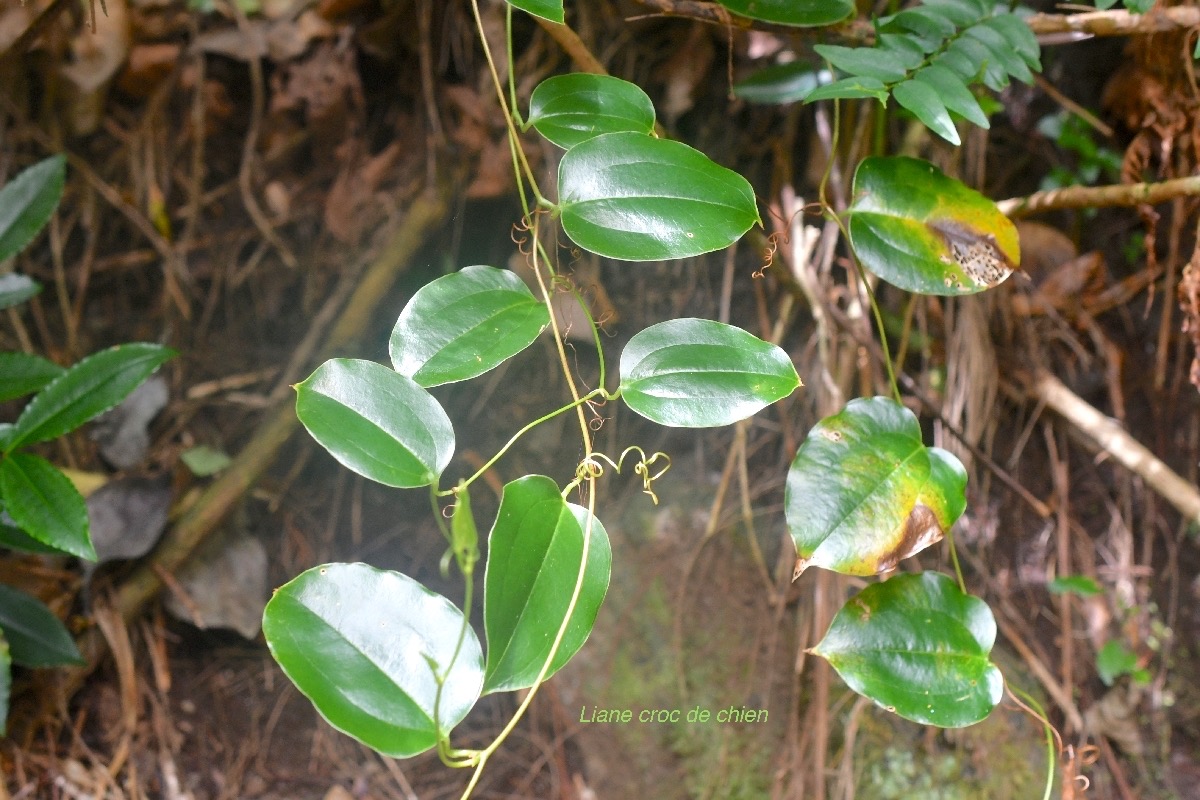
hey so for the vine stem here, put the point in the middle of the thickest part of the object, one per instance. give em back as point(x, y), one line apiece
point(1031, 706)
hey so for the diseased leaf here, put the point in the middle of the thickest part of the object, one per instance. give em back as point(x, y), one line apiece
point(36, 638)
point(570, 109)
point(45, 504)
point(27, 201)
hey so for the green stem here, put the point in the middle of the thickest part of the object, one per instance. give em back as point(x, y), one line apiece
point(1039, 713)
point(962, 584)
point(454, 758)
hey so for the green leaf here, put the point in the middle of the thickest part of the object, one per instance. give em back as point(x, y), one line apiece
point(85, 390)
point(781, 83)
point(978, 56)
point(1004, 54)
point(905, 47)
point(1074, 584)
point(864, 492)
point(45, 504)
point(1115, 660)
point(203, 460)
point(1139, 6)
point(569, 109)
point(16, 289)
point(923, 101)
point(36, 638)
point(696, 373)
point(953, 93)
point(1019, 37)
point(14, 538)
point(637, 198)
point(960, 12)
point(378, 423)
point(27, 201)
point(918, 646)
point(959, 64)
point(864, 62)
point(925, 232)
point(849, 89)
point(23, 373)
point(464, 324)
point(363, 645)
point(799, 13)
point(922, 21)
point(546, 9)
point(534, 553)
point(5, 683)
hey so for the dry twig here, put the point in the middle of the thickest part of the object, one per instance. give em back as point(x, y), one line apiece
point(1126, 194)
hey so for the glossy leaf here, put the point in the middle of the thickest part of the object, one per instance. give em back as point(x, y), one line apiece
point(464, 324)
point(696, 373)
point(570, 109)
point(5, 683)
point(781, 83)
point(920, 230)
point(534, 552)
point(36, 638)
point(24, 373)
point(853, 88)
point(376, 422)
point(546, 9)
point(16, 289)
point(864, 492)
point(14, 538)
point(86, 390)
point(918, 646)
point(867, 62)
point(798, 13)
point(363, 645)
point(953, 93)
point(637, 198)
point(926, 104)
point(27, 201)
point(45, 504)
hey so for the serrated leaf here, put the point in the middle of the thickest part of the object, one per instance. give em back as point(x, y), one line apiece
point(16, 289)
point(36, 638)
point(1074, 584)
point(27, 201)
point(86, 390)
point(920, 230)
point(1019, 37)
point(849, 89)
point(24, 373)
point(376, 422)
point(798, 13)
point(696, 373)
point(781, 83)
point(534, 552)
point(918, 646)
point(363, 644)
point(464, 324)
point(45, 504)
point(865, 62)
point(864, 492)
point(953, 93)
point(570, 109)
point(546, 9)
point(1003, 53)
point(637, 198)
point(924, 102)
point(14, 538)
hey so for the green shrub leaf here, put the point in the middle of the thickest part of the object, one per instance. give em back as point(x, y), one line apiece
point(960, 12)
point(363, 645)
point(1074, 584)
point(977, 54)
point(696, 373)
point(781, 83)
point(534, 551)
point(36, 638)
point(27, 201)
point(570, 109)
point(953, 93)
point(924, 102)
point(1002, 52)
point(920, 230)
point(16, 289)
point(925, 22)
point(799, 13)
point(23, 373)
point(1019, 37)
point(864, 492)
point(853, 88)
point(45, 504)
point(546, 9)
point(85, 390)
point(637, 198)
point(918, 646)
point(14, 538)
point(464, 324)
point(376, 422)
point(867, 62)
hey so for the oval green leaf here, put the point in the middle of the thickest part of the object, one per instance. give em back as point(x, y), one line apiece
point(546, 9)
point(570, 109)
point(24, 373)
point(926, 104)
point(637, 198)
point(85, 390)
point(36, 638)
point(534, 552)
point(866, 62)
point(696, 373)
point(953, 93)
point(782, 83)
point(16, 289)
point(864, 492)
point(27, 201)
point(854, 88)
point(798, 13)
point(925, 232)
point(363, 643)
point(918, 646)
point(45, 504)
point(14, 538)
point(376, 422)
point(464, 324)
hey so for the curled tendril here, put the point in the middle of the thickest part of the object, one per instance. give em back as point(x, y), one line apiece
point(593, 467)
point(768, 255)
